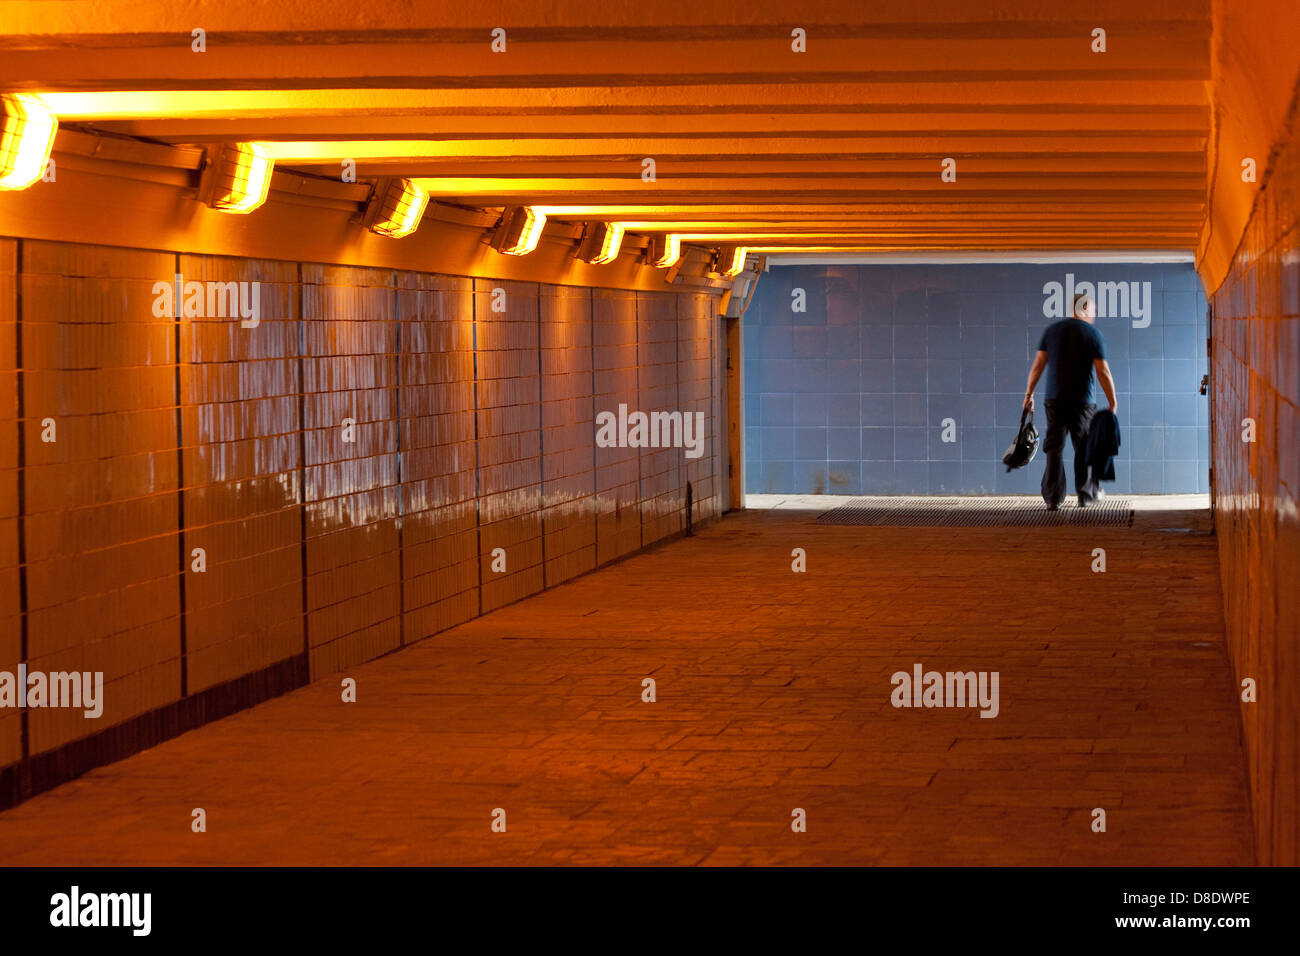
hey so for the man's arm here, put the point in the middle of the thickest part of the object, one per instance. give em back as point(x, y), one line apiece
point(1107, 382)
point(1035, 373)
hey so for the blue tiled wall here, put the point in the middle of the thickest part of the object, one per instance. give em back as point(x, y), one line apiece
point(849, 396)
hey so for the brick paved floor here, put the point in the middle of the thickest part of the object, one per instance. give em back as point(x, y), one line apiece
point(773, 693)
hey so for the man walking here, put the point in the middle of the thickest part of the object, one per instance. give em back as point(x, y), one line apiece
point(1070, 350)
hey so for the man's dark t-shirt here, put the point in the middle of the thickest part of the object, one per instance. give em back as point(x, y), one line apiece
point(1071, 345)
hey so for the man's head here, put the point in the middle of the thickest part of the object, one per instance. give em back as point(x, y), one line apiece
point(1085, 308)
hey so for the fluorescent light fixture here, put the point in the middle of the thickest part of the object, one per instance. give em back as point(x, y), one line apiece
point(729, 262)
point(237, 177)
point(664, 250)
point(521, 227)
point(27, 131)
point(396, 207)
point(600, 243)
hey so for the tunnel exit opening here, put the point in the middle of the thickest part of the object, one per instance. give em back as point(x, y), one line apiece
point(908, 376)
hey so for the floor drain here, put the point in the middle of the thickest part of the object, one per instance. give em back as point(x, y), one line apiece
point(991, 512)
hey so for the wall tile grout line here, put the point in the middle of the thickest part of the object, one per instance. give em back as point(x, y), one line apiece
point(541, 435)
point(401, 530)
point(299, 299)
point(182, 582)
point(595, 458)
point(636, 358)
point(679, 458)
point(23, 596)
point(478, 484)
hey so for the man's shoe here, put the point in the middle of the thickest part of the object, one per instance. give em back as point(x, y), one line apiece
point(1084, 501)
point(1053, 507)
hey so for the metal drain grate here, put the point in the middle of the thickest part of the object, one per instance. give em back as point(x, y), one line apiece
point(994, 512)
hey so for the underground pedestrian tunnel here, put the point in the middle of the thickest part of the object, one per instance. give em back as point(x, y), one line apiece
point(574, 414)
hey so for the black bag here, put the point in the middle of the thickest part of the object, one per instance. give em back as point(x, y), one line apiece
point(1022, 451)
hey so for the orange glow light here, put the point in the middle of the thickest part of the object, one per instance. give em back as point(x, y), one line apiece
point(609, 236)
point(520, 231)
point(401, 204)
point(665, 250)
point(735, 262)
point(238, 177)
point(27, 131)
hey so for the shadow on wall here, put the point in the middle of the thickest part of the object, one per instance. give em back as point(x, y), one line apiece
point(908, 379)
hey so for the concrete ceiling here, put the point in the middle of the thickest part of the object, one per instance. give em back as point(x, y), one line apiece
point(835, 149)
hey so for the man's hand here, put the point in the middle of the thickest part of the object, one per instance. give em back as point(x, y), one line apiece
point(1107, 382)
point(1035, 373)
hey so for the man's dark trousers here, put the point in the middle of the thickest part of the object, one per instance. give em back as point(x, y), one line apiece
point(1063, 418)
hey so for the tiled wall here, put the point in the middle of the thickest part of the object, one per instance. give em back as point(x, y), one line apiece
point(439, 529)
point(657, 389)
point(702, 365)
point(618, 470)
point(241, 478)
point(11, 641)
point(352, 486)
point(508, 381)
point(102, 500)
point(346, 470)
point(850, 396)
point(1257, 495)
point(568, 422)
